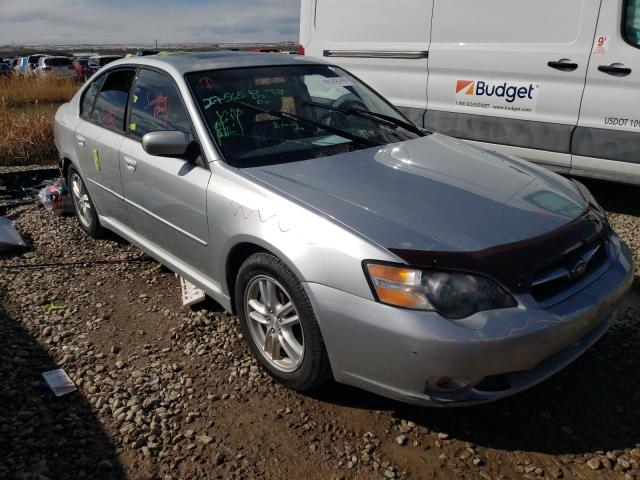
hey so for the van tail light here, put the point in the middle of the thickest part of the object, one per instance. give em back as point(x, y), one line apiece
point(300, 50)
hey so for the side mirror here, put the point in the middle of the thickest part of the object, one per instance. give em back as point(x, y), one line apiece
point(170, 143)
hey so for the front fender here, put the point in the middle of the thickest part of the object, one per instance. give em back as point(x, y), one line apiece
point(315, 247)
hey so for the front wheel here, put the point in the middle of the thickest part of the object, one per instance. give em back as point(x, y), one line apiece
point(279, 324)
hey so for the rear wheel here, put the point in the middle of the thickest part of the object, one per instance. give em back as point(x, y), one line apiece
point(279, 324)
point(83, 205)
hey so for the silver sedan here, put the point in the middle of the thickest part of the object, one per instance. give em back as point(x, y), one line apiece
point(351, 244)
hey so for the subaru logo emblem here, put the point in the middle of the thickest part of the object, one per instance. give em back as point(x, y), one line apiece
point(579, 268)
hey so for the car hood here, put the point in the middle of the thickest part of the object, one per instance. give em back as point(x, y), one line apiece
point(432, 193)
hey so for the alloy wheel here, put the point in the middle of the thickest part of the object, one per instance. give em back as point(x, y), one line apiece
point(81, 200)
point(274, 323)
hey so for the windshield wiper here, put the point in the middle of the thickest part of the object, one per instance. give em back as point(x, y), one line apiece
point(311, 123)
point(375, 116)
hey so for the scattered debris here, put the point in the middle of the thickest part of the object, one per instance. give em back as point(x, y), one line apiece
point(52, 306)
point(9, 236)
point(59, 382)
point(190, 293)
point(21, 187)
point(54, 196)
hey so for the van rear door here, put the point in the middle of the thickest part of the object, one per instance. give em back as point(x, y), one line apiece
point(511, 74)
point(607, 140)
point(384, 43)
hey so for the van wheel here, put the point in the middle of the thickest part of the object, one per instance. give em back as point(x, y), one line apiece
point(279, 324)
point(83, 205)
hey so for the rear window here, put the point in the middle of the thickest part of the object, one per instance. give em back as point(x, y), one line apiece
point(58, 62)
point(632, 22)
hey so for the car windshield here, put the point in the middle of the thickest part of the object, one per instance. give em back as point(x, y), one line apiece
point(278, 114)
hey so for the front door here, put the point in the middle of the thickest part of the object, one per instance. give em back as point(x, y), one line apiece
point(510, 73)
point(165, 196)
point(608, 135)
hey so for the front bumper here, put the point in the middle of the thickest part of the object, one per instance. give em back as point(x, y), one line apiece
point(394, 352)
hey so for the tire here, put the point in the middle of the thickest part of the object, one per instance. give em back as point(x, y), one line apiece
point(83, 206)
point(300, 372)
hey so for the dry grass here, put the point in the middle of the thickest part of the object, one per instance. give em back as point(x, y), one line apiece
point(20, 91)
point(27, 107)
point(27, 135)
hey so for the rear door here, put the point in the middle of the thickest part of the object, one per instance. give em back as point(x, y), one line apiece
point(384, 43)
point(99, 135)
point(165, 196)
point(510, 74)
point(607, 140)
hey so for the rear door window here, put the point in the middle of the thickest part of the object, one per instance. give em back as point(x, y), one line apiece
point(111, 104)
point(156, 105)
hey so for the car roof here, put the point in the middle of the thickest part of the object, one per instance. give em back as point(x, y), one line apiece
point(182, 63)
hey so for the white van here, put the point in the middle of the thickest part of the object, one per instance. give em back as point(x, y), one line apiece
point(555, 82)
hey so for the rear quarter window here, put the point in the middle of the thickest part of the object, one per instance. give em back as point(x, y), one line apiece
point(89, 95)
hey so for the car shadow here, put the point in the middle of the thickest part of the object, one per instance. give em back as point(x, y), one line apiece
point(615, 197)
point(589, 406)
point(43, 436)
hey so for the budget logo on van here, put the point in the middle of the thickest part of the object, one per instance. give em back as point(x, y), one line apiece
point(497, 95)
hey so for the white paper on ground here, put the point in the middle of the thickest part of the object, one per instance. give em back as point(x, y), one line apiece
point(190, 293)
point(59, 382)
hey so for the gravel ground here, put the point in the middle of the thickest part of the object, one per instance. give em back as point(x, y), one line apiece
point(167, 392)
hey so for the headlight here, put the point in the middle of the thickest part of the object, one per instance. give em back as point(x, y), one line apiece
point(453, 295)
point(587, 195)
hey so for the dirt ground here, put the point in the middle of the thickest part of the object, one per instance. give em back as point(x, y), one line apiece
point(168, 392)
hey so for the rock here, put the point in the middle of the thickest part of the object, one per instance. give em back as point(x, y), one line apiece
point(401, 439)
point(204, 439)
point(624, 463)
point(594, 464)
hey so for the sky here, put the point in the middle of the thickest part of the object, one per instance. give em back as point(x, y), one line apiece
point(143, 21)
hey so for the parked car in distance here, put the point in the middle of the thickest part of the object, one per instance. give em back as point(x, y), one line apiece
point(560, 90)
point(55, 66)
point(96, 62)
point(351, 243)
point(81, 68)
point(5, 69)
point(29, 63)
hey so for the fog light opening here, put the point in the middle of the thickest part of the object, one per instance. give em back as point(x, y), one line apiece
point(449, 384)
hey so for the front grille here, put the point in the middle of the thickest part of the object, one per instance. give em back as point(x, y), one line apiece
point(560, 279)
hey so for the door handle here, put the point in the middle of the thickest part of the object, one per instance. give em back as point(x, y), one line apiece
point(564, 64)
point(615, 69)
point(130, 163)
point(81, 140)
